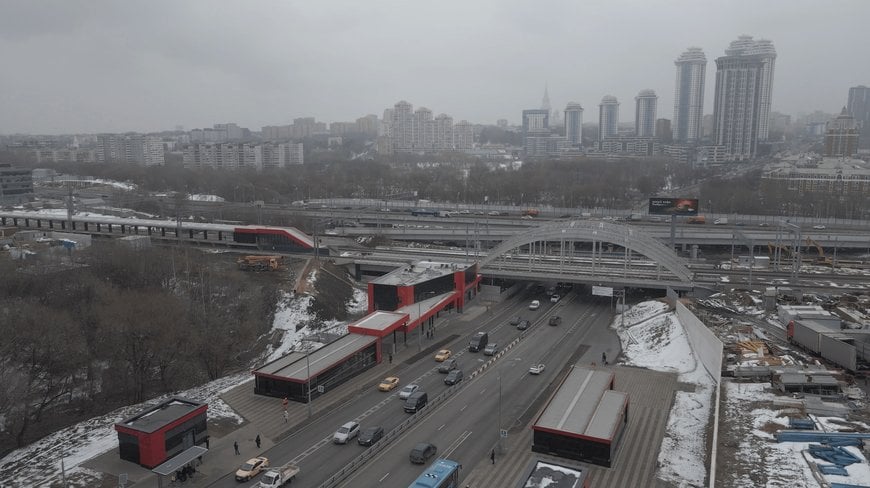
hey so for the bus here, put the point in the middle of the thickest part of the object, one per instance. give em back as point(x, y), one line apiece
point(443, 473)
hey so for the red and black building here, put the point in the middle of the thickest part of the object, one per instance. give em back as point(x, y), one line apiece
point(154, 435)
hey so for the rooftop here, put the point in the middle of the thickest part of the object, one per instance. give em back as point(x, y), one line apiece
point(419, 272)
point(584, 405)
point(295, 366)
point(160, 415)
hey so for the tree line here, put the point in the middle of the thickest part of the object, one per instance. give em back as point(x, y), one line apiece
point(117, 327)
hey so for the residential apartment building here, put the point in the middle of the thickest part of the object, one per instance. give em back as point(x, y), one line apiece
point(689, 95)
point(574, 124)
point(646, 103)
point(234, 156)
point(129, 148)
point(842, 136)
point(608, 118)
point(741, 111)
point(859, 106)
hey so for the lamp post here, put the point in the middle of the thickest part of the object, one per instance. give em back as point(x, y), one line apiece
point(308, 373)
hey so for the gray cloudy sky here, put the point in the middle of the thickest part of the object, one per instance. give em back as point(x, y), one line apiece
point(112, 66)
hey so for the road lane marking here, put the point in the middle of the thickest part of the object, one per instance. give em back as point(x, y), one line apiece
point(455, 445)
point(463, 408)
point(482, 391)
point(442, 426)
point(383, 478)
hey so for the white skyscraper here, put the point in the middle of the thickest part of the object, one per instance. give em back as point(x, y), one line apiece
point(403, 127)
point(645, 113)
point(741, 110)
point(574, 124)
point(689, 95)
point(608, 118)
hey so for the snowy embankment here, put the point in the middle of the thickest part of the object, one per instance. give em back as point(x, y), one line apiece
point(653, 338)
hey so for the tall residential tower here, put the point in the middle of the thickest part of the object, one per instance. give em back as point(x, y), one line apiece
point(608, 118)
point(689, 95)
point(645, 113)
point(574, 124)
point(741, 109)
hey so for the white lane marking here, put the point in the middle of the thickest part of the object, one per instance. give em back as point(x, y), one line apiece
point(463, 408)
point(383, 477)
point(482, 391)
point(442, 426)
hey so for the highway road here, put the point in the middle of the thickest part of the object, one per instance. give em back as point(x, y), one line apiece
point(465, 425)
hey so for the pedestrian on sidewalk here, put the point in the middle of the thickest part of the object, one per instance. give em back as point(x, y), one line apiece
point(604, 358)
point(285, 416)
point(492, 456)
point(391, 359)
point(236, 447)
point(285, 402)
point(257, 440)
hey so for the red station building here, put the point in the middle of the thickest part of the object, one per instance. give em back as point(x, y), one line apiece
point(152, 436)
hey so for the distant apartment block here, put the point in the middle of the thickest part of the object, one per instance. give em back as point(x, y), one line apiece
point(405, 130)
point(859, 106)
point(837, 177)
point(634, 146)
point(646, 103)
point(129, 148)
point(574, 124)
point(231, 156)
point(16, 185)
point(608, 118)
point(693, 155)
point(663, 131)
point(841, 136)
point(65, 155)
point(689, 95)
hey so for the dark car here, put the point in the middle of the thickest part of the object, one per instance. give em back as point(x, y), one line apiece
point(555, 320)
point(516, 320)
point(523, 325)
point(453, 377)
point(422, 452)
point(370, 435)
point(448, 366)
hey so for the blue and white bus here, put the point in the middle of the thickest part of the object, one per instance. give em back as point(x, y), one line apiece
point(443, 473)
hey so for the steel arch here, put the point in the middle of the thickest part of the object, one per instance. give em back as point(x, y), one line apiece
point(598, 231)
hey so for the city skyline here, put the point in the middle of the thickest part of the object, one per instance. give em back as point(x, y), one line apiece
point(107, 66)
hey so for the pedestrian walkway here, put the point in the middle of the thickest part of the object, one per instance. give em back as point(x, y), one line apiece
point(651, 395)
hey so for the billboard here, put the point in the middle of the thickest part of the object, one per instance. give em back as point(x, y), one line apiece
point(673, 206)
point(602, 291)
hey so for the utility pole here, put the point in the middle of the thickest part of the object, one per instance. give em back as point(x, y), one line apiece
point(70, 209)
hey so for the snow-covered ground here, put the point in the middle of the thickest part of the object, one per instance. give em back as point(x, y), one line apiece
point(653, 338)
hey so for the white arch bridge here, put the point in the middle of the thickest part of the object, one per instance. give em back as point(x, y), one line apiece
point(591, 252)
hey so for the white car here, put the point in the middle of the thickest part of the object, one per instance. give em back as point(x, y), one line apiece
point(819, 227)
point(346, 432)
point(555, 298)
point(537, 368)
point(405, 392)
point(534, 305)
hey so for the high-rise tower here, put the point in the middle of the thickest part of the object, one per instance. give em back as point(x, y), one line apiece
point(859, 107)
point(741, 110)
point(645, 113)
point(608, 118)
point(545, 102)
point(689, 95)
point(574, 124)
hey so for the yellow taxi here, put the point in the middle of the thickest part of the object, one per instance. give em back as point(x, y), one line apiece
point(252, 468)
point(389, 383)
point(443, 355)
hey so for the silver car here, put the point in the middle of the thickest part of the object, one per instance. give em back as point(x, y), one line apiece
point(405, 392)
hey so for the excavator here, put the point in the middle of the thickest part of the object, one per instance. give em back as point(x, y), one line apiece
point(821, 258)
point(261, 263)
point(785, 252)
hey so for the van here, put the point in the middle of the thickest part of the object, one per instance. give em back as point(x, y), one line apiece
point(478, 341)
point(416, 401)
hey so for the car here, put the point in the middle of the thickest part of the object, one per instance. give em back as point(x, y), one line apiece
point(346, 432)
point(370, 435)
point(534, 305)
point(443, 355)
point(516, 320)
point(389, 383)
point(527, 217)
point(448, 366)
point(405, 392)
point(555, 298)
point(491, 349)
point(252, 468)
point(764, 224)
point(494, 213)
point(819, 227)
point(537, 368)
point(453, 377)
point(555, 320)
point(523, 325)
point(385, 209)
point(422, 453)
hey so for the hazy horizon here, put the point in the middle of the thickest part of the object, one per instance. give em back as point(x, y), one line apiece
point(105, 66)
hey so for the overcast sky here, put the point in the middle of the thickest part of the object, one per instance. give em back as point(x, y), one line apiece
point(71, 66)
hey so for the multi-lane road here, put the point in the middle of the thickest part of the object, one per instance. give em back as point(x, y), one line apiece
point(497, 394)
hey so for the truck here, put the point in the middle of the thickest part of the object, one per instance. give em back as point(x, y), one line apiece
point(531, 212)
point(279, 476)
point(260, 263)
point(478, 342)
point(697, 219)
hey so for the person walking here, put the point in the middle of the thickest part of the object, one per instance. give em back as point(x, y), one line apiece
point(257, 440)
point(492, 456)
point(236, 447)
point(391, 358)
point(285, 416)
point(284, 403)
point(604, 358)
